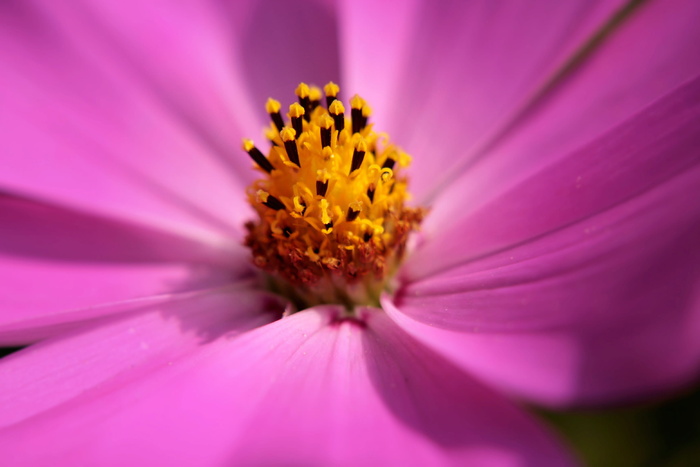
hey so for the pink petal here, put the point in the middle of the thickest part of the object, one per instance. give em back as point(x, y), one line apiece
point(56, 266)
point(185, 53)
point(609, 270)
point(647, 56)
point(631, 159)
point(617, 260)
point(445, 78)
point(85, 124)
point(222, 60)
point(540, 367)
point(281, 44)
point(567, 368)
point(113, 353)
point(306, 390)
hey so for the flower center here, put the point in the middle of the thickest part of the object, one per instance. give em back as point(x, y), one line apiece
point(332, 225)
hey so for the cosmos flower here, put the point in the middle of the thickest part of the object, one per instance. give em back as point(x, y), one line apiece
point(555, 145)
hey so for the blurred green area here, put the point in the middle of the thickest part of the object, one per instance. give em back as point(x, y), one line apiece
point(665, 433)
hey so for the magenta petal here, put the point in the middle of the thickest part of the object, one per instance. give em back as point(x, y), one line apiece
point(445, 77)
point(84, 125)
point(617, 260)
point(541, 367)
point(57, 266)
point(594, 257)
point(651, 53)
point(631, 159)
point(603, 310)
point(282, 43)
point(306, 390)
point(566, 368)
point(113, 353)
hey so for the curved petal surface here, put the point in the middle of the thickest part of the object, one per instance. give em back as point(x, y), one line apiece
point(106, 355)
point(649, 54)
point(594, 258)
point(85, 125)
point(646, 151)
point(281, 44)
point(222, 61)
point(445, 77)
point(603, 310)
point(320, 390)
point(59, 266)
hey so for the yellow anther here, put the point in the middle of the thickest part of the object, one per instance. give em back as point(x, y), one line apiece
point(366, 110)
point(353, 211)
point(263, 196)
point(361, 144)
point(326, 122)
point(302, 90)
point(248, 144)
point(288, 134)
point(357, 102)
point(315, 93)
point(296, 110)
point(272, 106)
point(331, 89)
point(337, 108)
point(270, 133)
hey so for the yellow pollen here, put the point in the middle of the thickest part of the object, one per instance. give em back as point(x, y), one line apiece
point(272, 106)
point(295, 110)
point(315, 93)
point(288, 134)
point(326, 121)
point(337, 108)
point(303, 90)
point(248, 144)
point(331, 204)
point(331, 89)
point(357, 102)
point(262, 195)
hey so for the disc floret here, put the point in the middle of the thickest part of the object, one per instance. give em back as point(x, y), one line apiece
point(332, 221)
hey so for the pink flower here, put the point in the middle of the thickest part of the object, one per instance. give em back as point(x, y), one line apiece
point(556, 143)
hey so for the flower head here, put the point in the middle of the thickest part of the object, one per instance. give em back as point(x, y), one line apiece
point(555, 145)
point(332, 221)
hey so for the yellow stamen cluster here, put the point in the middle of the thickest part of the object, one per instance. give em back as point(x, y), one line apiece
point(331, 206)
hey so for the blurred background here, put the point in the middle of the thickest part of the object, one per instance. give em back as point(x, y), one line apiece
point(664, 433)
